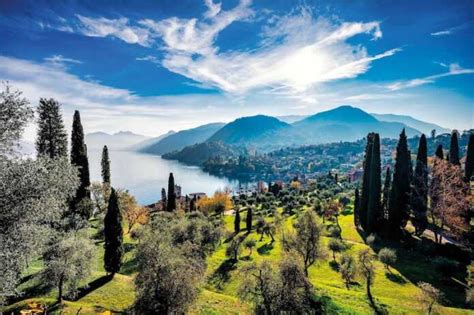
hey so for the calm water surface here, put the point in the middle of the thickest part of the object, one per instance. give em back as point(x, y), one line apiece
point(144, 175)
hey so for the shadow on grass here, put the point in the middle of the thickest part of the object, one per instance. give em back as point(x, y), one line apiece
point(334, 265)
point(129, 267)
point(222, 274)
point(128, 247)
point(91, 286)
point(265, 249)
point(395, 278)
point(415, 263)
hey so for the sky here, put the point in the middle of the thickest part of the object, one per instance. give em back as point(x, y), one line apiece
point(153, 66)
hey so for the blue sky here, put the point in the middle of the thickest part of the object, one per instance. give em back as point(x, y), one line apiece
point(151, 66)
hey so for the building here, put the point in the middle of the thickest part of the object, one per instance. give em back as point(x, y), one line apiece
point(177, 191)
point(355, 174)
point(261, 186)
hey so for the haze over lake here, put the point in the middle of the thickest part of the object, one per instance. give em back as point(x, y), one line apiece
point(144, 175)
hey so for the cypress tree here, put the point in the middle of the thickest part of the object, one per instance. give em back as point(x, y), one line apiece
point(386, 192)
point(422, 154)
point(105, 163)
point(237, 221)
point(419, 195)
point(454, 149)
point(164, 200)
point(356, 207)
point(374, 208)
point(469, 166)
point(171, 205)
point(113, 235)
point(79, 159)
point(364, 198)
point(249, 219)
point(439, 152)
point(51, 138)
point(399, 193)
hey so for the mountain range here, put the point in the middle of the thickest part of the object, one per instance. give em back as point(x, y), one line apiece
point(266, 133)
point(181, 139)
point(122, 140)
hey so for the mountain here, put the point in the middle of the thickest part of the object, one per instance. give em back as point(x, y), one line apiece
point(118, 141)
point(422, 126)
point(199, 153)
point(289, 119)
point(149, 142)
point(347, 123)
point(259, 131)
point(181, 139)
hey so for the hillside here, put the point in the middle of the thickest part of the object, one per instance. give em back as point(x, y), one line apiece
point(149, 142)
point(253, 130)
point(347, 123)
point(118, 141)
point(198, 153)
point(394, 288)
point(422, 126)
point(181, 139)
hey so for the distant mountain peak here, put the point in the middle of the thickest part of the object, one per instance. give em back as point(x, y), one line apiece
point(343, 113)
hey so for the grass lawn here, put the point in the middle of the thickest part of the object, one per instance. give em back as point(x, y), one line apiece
point(394, 290)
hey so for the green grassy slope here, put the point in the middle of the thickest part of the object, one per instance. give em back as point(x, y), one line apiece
point(395, 290)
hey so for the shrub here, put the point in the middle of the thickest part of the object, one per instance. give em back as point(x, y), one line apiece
point(387, 256)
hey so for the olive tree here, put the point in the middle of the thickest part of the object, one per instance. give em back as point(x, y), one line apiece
point(305, 240)
point(67, 262)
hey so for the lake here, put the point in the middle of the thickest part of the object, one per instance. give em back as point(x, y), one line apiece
point(144, 175)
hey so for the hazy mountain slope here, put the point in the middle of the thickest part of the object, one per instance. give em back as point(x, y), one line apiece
point(118, 141)
point(289, 119)
point(149, 142)
point(420, 125)
point(346, 123)
point(260, 131)
point(183, 138)
point(199, 153)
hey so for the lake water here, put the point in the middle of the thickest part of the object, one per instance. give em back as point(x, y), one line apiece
point(144, 175)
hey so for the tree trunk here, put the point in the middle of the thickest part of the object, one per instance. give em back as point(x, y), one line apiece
point(60, 291)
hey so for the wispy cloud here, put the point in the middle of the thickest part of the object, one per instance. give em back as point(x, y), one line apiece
point(453, 69)
point(451, 30)
point(295, 53)
point(150, 58)
point(60, 61)
point(120, 28)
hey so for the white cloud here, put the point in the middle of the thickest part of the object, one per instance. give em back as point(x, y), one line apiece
point(442, 33)
point(120, 28)
point(213, 8)
point(295, 53)
point(149, 58)
point(453, 69)
point(60, 61)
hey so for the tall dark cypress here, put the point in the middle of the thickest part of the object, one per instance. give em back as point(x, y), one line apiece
point(454, 149)
point(113, 235)
point(237, 221)
point(374, 208)
point(364, 197)
point(469, 166)
point(105, 164)
point(171, 206)
point(79, 159)
point(386, 192)
point(400, 191)
point(249, 220)
point(419, 194)
point(356, 207)
point(422, 154)
point(164, 200)
point(439, 152)
point(51, 138)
